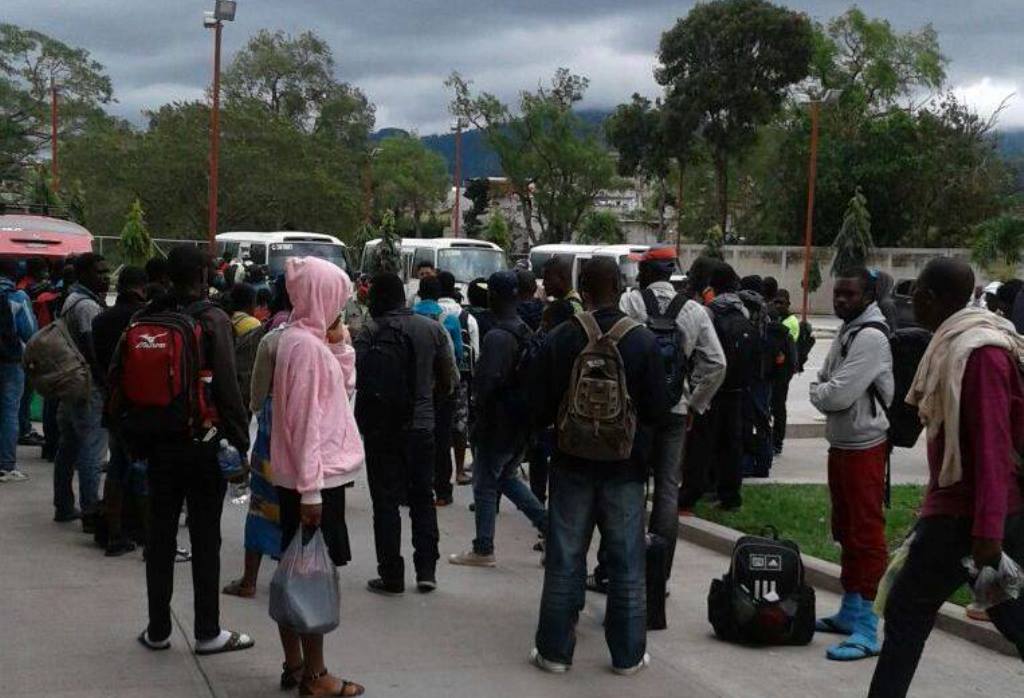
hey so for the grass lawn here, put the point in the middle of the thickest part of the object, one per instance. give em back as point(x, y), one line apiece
point(801, 513)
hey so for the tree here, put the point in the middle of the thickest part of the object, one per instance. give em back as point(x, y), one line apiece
point(636, 131)
point(136, 246)
point(873, 66)
point(714, 242)
point(40, 194)
point(407, 176)
point(999, 245)
point(554, 161)
point(477, 191)
point(600, 228)
point(853, 243)
point(726, 68)
point(497, 231)
point(30, 62)
point(389, 252)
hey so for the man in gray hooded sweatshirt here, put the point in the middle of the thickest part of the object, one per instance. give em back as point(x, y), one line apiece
point(855, 387)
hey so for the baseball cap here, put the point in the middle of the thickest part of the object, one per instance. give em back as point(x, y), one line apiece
point(657, 253)
point(504, 285)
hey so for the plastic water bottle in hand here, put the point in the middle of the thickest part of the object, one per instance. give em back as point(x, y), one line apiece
point(230, 461)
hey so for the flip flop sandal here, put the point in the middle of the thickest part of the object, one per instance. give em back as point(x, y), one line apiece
point(464, 480)
point(182, 555)
point(236, 588)
point(235, 643)
point(865, 652)
point(154, 646)
point(827, 625)
point(291, 677)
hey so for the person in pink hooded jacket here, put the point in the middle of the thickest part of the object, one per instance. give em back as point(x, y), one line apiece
point(315, 445)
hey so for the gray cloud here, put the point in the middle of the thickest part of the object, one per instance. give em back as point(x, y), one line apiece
point(400, 51)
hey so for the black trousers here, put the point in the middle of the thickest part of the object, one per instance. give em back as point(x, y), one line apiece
point(444, 415)
point(179, 474)
point(400, 469)
point(780, 393)
point(933, 571)
point(715, 450)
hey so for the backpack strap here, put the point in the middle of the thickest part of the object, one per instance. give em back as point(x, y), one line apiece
point(590, 326)
point(848, 341)
point(676, 306)
point(620, 329)
point(651, 304)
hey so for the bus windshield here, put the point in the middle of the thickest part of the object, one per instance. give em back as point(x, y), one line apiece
point(280, 251)
point(468, 263)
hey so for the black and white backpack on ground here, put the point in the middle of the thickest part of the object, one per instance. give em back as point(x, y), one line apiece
point(763, 599)
point(669, 336)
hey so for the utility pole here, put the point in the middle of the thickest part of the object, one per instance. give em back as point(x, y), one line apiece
point(812, 176)
point(457, 211)
point(54, 167)
point(215, 137)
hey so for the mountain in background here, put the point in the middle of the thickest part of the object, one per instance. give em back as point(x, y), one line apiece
point(478, 160)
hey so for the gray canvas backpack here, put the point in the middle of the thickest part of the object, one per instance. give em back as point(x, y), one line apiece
point(597, 418)
point(54, 364)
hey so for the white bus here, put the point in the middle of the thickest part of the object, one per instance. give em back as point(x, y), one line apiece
point(271, 249)
point(466, 259)
point(577, 255)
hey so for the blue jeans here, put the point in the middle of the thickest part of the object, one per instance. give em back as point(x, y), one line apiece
point(493, 475)
point(12, 384)
point(83, 445)
point(614, 502)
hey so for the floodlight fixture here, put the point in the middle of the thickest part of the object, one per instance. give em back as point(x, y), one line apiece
point(224, 10)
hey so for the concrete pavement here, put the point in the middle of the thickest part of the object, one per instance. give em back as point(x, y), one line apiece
point(69, 617)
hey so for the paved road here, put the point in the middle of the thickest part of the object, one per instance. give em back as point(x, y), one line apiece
point(69, 617)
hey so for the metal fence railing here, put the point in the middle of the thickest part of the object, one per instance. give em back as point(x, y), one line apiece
point(107, 245)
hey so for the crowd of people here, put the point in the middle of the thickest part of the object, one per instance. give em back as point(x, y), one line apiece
point(595, 390)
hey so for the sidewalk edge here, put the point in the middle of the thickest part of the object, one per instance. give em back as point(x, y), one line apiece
point(825, 575)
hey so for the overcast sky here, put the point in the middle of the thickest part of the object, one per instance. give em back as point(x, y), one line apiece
point(400, 51)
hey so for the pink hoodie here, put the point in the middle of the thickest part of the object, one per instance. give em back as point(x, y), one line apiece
point(315, 443)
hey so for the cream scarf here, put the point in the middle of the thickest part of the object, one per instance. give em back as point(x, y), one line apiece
point(936, 387)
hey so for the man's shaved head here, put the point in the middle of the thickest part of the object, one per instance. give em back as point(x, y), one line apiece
point(944, 287)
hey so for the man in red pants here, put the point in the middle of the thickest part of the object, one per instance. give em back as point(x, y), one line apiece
point(855, 386)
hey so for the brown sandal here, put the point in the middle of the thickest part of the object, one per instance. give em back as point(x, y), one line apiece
point(348, 689)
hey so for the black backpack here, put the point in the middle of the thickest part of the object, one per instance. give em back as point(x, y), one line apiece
point(741, 346)
point(515, 395)
point(804, 344)
point(385, 377)
point(764, 598)
point(11, 349)
point(670, 340)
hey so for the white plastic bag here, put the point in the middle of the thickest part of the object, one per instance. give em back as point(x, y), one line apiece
point(995, 586)
point(304, 592)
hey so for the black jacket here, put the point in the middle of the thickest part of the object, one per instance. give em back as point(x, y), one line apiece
point(219, 345)
point(502, 423)
point(645, 380)
point(107, 328)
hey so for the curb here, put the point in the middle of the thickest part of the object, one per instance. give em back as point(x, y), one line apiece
point(825, 575)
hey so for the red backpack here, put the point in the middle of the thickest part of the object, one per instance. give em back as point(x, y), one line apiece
point(159, 380)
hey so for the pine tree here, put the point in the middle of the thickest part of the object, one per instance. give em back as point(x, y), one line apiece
point(713, 242)
point(389, 253)
point(496, 231)
point(136, 246)
point(853, 243)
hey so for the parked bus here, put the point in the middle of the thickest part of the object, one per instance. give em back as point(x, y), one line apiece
point(577, 255)
point(24, 235)
point(466, 259)
point(272, 249)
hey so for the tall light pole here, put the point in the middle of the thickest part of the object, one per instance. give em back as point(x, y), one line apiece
point(457, 211)
point(54, 168)
point(828, 97)
point(224, 11)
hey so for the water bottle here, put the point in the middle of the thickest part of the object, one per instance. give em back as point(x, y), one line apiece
point(230, 461)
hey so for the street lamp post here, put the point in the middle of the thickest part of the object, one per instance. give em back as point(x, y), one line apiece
point(828, 97)
point(224, 11)
point(457, 211)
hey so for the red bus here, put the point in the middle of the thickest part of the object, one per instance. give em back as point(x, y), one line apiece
point(25, 235)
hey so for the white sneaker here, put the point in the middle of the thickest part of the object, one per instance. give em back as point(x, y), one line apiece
point(634, 670)
point(551, 667)
point(472, 559)
point(13, 476)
